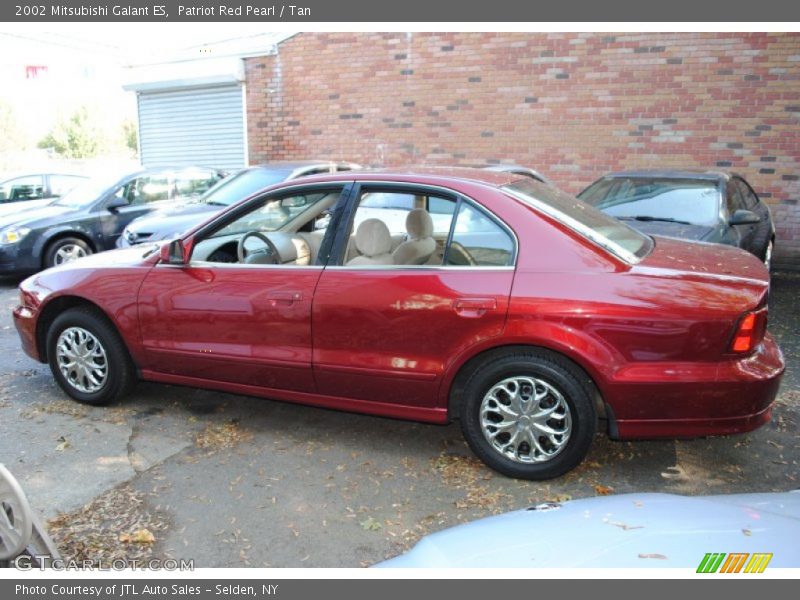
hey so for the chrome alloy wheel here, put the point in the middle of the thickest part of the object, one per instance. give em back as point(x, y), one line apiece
point(68, 253)
point(82, 359)
point(525, 419)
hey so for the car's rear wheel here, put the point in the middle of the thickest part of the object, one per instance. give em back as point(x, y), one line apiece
point(88, 358)
point(65, 250)
point(529, 415)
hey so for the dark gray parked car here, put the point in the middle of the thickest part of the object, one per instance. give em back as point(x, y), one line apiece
point(92, 216)
point(708, 206)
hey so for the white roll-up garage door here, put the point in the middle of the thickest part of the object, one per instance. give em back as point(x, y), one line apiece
point(196, 126)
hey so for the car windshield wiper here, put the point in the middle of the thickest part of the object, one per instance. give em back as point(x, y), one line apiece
point(649, 218)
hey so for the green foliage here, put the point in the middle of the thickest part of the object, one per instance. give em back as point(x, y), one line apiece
point(130, 136)
point(77, 136)
point(12, 137)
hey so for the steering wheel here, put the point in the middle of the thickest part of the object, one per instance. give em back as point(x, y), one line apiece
point(458, 255)
point(268, 255)
point(16, 518)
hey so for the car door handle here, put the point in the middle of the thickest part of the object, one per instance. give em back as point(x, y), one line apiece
point(473, 307)
point(284, 297)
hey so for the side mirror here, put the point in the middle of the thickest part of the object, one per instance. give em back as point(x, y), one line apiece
point(116, 203)
point(174, 253)
point(744, 217)
point(323, 221)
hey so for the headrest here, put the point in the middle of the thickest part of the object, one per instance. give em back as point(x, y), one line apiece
point(373, 238)
point(419, 224)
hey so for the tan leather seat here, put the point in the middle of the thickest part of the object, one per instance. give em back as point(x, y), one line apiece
point(374, 243)
point(420, 245)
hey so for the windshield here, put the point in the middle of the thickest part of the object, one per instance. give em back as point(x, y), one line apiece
point(621, 240)
point(694, 201)
point(244, 184)
point(87, 192)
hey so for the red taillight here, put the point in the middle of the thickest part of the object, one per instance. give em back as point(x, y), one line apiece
point(750, 331)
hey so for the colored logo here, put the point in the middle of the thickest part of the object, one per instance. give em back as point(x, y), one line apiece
point(735, 562)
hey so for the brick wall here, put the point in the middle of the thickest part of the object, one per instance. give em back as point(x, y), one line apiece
point(573, 106)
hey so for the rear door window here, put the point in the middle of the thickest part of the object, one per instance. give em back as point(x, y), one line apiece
point(22, 188)
point(145, 189)
point(478, 241)
point(392, 208)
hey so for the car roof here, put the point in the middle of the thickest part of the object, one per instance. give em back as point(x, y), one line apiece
point(8, 176)
point(134, 172)
point(429, 174)
point(688, 173)
point(174, 168)
point(296, 164)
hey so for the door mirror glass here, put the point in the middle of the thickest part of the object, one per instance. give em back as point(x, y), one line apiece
point(323, 221)
point(174, 253)
point(116, 203)
point(744, 217)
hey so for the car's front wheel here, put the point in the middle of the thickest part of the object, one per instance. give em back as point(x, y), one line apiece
point(66, 250)
point(88, 358)
point(529, 414)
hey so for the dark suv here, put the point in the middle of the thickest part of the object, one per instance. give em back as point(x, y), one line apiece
point(91, 217)
point(707, 206)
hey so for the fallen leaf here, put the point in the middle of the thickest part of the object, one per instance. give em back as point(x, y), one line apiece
point(63, 444)
point(558, 498)
point(370, 524)
point(624, 526)
point(602, 490)
point(140, 536)
point(227, 435)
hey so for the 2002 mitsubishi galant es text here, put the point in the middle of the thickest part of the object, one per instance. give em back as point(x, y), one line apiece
point(430, 295)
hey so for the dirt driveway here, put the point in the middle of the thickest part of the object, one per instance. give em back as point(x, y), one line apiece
point(232, 481)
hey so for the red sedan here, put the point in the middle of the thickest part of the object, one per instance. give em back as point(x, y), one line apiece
point(430, 295)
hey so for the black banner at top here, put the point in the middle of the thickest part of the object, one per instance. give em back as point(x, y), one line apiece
point(451, 11)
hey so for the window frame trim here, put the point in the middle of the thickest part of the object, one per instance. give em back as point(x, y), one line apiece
point(339, 248)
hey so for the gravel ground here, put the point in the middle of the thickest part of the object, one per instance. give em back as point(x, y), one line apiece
point(232, 481)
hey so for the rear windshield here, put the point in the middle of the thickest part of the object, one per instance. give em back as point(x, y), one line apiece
point(615, 236)
point(693, 201)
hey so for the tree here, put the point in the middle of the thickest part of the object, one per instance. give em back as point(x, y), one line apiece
point(130, 136)
point(12, 137)
point(78, 136)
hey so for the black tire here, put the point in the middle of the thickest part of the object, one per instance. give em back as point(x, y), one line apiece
point(51, 255)
point(119, 372)
point(555, 371)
